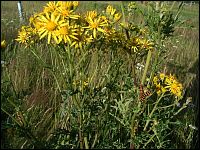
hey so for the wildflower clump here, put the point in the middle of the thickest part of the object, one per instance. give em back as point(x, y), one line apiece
point(167, 83)
point(59, 23)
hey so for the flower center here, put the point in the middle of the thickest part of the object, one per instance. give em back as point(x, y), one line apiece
point(64, 31)
point(65, 13)
point(94, 25)
point(51, 26)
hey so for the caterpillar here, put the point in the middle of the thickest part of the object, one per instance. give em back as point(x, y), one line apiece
point(144, 95)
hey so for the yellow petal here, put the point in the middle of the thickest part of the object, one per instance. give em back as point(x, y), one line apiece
point(44, 34)
point(49, 37)
point(94, 33)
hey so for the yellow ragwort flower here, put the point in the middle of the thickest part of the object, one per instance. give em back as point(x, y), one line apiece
point(95, 25)
point(146, 44)
point(82, 39)
point(90, 14)
point(51, 7)
point(67, 13)
point(66, 33)
point(23, 37)
point(110, 10)
point(175, 88)
point(49, 24)
point(3, 44)
point(162, 76)
point(170, 84)
point(117, 17)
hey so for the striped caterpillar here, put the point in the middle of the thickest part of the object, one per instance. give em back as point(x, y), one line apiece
point(144, 94)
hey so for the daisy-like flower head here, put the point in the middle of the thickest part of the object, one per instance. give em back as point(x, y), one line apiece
point(170, 79)
point(110, 10)
point(66, 33)
point(91, 14)
point(162, 76)
point(24, 36)
point(49, 24)
point(82, 39)
point(134, 44)
point(176, 89)
point(66, 5)
point(67, 13)
point(51, 7)
point(170, 84)
point(146, 44)
point(95, 25)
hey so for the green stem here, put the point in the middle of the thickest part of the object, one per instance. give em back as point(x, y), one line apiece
point(184, 106)
point(157, 51)
point(80, 131)
point(149, 140)
point(86, 143)
point(154, 108)
point(95, 140)
point(146, 66)
point(11, 116)
point(123, 14)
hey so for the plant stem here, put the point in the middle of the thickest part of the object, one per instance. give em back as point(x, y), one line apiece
point(146, 66)
point(154, 108)
point(157, 54)
point(95, 139)
point(123, 14)
point(86, 143)
point(149, 140)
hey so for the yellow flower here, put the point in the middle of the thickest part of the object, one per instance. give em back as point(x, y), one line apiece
point(155, 80)
point(110, 10)
point(117, 17)
point(170, 79)
point(90, 14)
point(67, 13)
point(170, 84)
point(75, 3)
point(134, 44)
point(82, 39)
point(95, 25)
point(49, 25)
point(158, 89)
point(131, 5)
point(26, 35)
point(175, 88)
point(162, 76)
point(66, 5)
point(51, 7)
point(23, 37)
point(3, 44)
point(66, 33)
point(146, 44)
